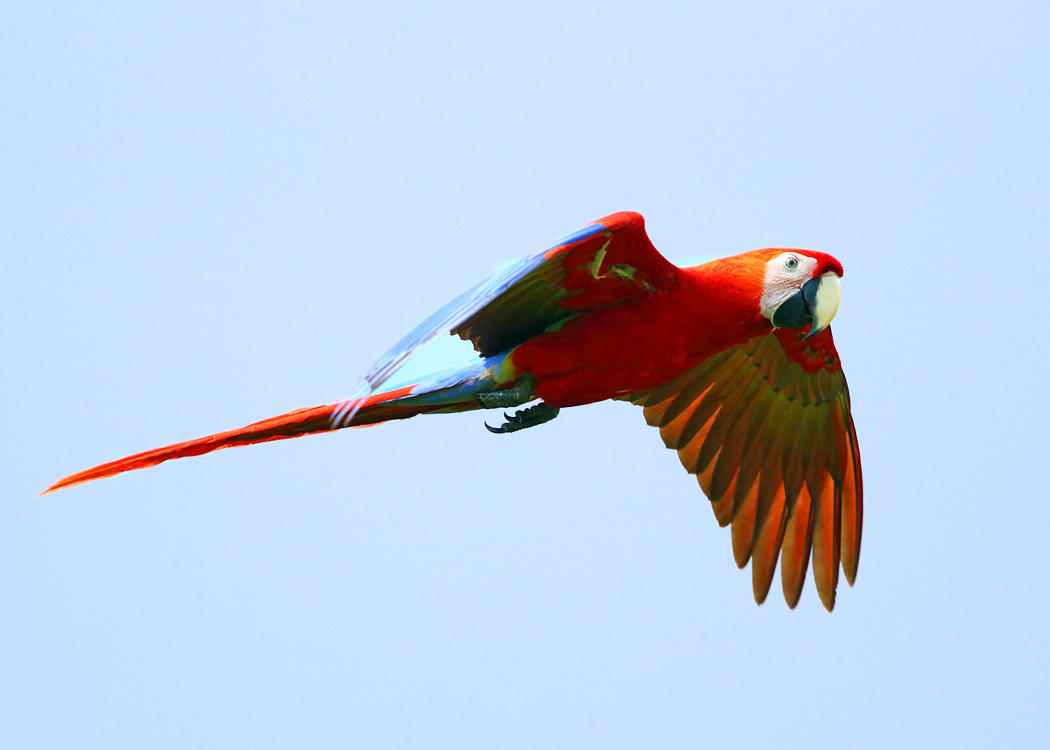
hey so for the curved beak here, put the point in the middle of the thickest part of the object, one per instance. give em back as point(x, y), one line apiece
point(815, 304)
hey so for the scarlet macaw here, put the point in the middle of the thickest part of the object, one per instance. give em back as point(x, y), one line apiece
point(733, 360)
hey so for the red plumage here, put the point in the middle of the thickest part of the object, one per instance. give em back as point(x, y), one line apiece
point(760, 415)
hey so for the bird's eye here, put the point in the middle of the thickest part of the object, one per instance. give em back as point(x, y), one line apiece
point(791, 263)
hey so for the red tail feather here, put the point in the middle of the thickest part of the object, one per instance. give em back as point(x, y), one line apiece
point(290, 425)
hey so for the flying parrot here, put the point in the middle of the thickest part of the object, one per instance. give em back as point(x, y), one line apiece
point(732, 360)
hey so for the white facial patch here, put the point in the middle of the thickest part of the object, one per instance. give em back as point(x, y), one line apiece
point(785, 275)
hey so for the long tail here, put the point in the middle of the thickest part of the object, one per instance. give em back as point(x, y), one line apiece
point(424, 398)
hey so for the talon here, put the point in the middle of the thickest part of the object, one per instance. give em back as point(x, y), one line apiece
point(524, 419)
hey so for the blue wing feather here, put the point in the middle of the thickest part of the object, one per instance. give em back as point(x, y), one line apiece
point(451, 315)
point(464, 306)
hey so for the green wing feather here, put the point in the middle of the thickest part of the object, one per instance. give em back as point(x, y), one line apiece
point(766, 428)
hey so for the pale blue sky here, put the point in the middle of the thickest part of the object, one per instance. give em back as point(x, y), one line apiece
point(214, 215)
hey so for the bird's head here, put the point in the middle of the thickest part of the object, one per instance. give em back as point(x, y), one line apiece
point(800, 288)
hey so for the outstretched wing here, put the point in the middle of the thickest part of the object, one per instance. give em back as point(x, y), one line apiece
point(766, 427)
point(603, 263)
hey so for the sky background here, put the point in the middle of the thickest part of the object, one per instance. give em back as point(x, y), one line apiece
point(212, 214)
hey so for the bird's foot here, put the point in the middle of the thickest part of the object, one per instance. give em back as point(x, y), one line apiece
point(516, 395)
point(525, 418)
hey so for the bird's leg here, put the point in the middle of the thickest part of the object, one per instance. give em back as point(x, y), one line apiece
point(525, 418)
point(516, 395)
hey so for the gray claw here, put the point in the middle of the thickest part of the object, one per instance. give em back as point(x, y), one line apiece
point(524, 419)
